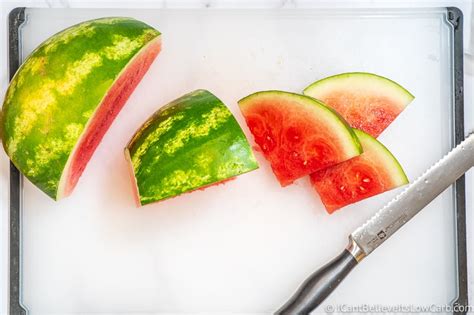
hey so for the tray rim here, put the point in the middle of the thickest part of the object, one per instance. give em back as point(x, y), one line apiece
point(454, 17)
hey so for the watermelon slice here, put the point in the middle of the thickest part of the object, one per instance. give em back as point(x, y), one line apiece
point(367, 101)
point(67, 93)
point(297, 134)
point(193, 142)
point(373, 172)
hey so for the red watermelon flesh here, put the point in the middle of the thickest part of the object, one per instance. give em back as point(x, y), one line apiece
point(373, 172)
point(374, 120)
point(367, 101)
point(297, 134)
point(111, 105)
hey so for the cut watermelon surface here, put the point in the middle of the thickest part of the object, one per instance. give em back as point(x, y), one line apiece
point(297, 134)
point(371, 173)
point(111, 105)
point(367, 101)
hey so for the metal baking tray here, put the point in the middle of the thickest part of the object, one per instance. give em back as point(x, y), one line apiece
point(245, 246)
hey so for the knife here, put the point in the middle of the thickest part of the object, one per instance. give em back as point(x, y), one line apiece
point(381, 226)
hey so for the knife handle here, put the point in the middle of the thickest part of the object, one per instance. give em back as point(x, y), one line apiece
point(320, 284)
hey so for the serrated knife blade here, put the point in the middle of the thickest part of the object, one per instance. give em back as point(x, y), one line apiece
point(415, 197)
point(381, 226)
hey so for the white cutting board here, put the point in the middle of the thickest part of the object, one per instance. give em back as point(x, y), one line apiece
point(245, 246)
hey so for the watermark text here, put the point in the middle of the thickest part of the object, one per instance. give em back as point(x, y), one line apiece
point(397, 308)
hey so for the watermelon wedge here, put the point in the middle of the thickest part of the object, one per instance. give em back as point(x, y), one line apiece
point(297, 134)
point(193, 142)
point(67, 93)
point(367, 101)
point(373, 172)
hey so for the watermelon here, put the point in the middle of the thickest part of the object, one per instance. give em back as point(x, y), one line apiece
point(66, 94)
point(191, 143)
point(297, 134)
point(373, 172)
point(367, 101)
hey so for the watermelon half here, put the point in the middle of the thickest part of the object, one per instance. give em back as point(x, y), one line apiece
point(191, 143)
point(66, 94)
point(371, 173)
point(297, 134)
point(367, 101)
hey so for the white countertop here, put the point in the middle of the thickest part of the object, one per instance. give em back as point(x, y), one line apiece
point(466, 6)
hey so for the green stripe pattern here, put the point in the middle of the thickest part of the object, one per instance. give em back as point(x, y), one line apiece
point(58, 89)
point(190, 143)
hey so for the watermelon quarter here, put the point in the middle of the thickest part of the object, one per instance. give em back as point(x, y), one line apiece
point(367, 101)
point(371, 173)
point(297, 134)
point(66, 94)
point(191, 143)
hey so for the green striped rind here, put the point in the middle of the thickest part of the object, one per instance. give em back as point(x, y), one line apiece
point(385, 158)
point(192, 142)
point(57, 90)
point(345, 132)
point(360, 81)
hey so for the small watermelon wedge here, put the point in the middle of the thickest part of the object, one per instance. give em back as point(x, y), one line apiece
point(193, 142)
point(67, 93)
point(373, 172)
point(297, 134)
point(367, 101)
